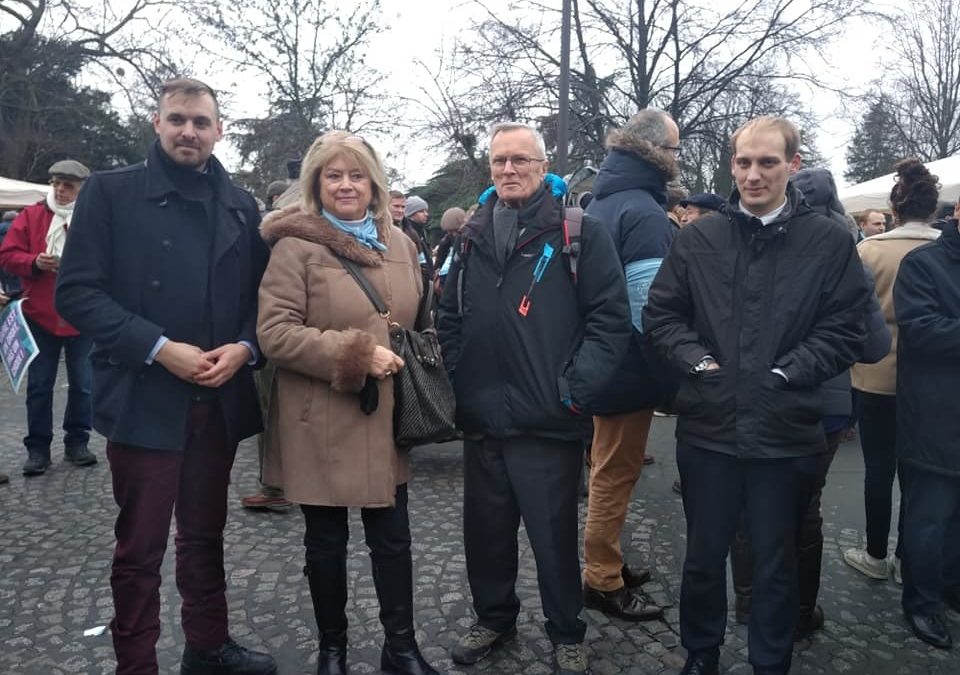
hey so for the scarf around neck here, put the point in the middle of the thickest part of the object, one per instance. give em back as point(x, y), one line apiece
point(507, 222)
point(364, 230)
point(57, 234)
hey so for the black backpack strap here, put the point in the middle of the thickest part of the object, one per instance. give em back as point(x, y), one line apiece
point(572, 227)
point(354, 270)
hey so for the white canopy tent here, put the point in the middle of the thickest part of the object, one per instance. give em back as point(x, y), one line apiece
point(18, 193)
point(874, 194)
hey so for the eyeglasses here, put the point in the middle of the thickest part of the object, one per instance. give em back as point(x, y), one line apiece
point(520, 162)
point(675, 149)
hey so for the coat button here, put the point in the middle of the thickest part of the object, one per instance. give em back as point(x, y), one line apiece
point(155, 284)
point(166, 243)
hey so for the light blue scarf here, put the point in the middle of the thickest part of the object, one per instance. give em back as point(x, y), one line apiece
point(364, 231)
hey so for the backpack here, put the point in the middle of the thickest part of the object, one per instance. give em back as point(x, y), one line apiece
point(572, 228)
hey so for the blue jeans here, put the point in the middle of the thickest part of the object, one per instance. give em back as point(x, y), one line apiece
point(41, 378)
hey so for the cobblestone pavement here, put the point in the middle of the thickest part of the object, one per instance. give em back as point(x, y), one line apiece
point(56, 540)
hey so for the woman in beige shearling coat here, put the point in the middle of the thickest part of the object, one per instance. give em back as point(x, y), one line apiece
point(329, 343)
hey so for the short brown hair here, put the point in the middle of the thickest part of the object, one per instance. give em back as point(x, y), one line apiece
point(791, 135)
point(396, 194)
point(188, 87)
point(335, 144)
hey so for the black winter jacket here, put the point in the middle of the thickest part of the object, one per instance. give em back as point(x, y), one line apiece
point(788, 295)
point(511, 373)
point(927, 300)
point(630, 193)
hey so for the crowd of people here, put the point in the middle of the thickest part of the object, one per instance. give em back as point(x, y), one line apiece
point(768, 321)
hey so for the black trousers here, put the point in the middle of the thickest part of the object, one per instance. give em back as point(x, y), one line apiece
point(773, 495)
point(878, 439)
point(534, 479)
point(810, 551)
point(387, 533)
point(931, 539)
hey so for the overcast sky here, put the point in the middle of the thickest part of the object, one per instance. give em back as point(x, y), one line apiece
point(415, 29)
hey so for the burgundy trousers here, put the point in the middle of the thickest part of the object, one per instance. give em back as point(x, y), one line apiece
point(149, 486)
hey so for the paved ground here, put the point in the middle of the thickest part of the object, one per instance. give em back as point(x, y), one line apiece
point(56, 539)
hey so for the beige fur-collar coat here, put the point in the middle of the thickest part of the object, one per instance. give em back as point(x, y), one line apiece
point(319, 328)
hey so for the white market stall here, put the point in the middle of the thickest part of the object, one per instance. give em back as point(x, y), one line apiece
point(873, 195)
point(18, 193)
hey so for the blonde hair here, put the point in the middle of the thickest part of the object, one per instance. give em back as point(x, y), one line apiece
point(332, 145)
point(791, 136)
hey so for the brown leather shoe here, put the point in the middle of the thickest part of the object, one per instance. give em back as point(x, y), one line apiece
point(4, 478)
point(634, 577)
point(261, 502)
point(622, 603)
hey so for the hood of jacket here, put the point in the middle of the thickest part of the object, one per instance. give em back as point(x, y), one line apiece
point(820, 193)
point(633, 169)
point(294, 221)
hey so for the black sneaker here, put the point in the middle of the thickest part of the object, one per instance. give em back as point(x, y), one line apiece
point(478, 642)
point(37, 464)
point(227, 659)
point(80, 455)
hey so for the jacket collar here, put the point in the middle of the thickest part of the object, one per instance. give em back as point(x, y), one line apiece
point(794, 207)
point(479, 228)
point(159, 184)
point(293, 221)
point(910, 230)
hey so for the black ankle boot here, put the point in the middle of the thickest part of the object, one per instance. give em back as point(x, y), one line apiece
point(401, 656)
point(327, 578)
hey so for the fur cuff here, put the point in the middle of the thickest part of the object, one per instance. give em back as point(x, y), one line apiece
point(353, 361)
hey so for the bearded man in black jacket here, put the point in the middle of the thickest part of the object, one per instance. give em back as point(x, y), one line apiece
point(755, 308)
point(528, 347)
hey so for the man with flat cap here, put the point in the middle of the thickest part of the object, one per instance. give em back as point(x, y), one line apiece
point(700, 204)
point(31, 251)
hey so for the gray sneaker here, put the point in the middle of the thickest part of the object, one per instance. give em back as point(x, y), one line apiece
point(571, 659)
point(863, 562)
point(478, 642)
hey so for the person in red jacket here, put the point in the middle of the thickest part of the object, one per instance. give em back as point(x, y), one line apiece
point(31, 250)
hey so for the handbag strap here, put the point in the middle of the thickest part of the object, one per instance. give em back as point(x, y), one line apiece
point(354, 270)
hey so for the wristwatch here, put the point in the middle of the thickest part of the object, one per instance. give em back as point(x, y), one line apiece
point(703, 365)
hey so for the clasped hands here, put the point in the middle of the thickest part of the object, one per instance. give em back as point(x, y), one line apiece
point(208, 369)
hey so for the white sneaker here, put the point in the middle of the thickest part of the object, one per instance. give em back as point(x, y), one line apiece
point(863, 562)
point(897, 566)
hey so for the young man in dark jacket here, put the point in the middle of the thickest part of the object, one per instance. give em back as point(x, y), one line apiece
point(161, 269)
point(927, 301)
point(755, 308)
point(630, 193)
point(527, 347)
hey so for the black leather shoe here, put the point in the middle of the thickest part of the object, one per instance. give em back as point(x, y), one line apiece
point(701, 664)
point(332, 657)
point(636, 577)
point(808, 623)
point(622, 603)
point(227, 659)
point(930, 629)
point(37, 464)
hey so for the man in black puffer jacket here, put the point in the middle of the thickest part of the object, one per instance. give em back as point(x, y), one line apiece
point(630, 193)
point(527, 348)
point(755, 308)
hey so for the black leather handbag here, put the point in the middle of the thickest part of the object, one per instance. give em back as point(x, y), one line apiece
point(424, 403)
